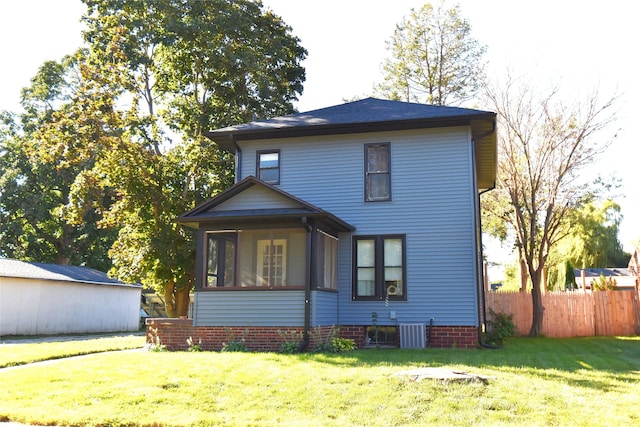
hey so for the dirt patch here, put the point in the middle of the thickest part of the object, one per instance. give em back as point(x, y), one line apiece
point(442, 374)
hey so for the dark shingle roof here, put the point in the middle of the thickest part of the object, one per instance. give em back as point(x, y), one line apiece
point(65, 273)
point(365, 115)
point(374, 115)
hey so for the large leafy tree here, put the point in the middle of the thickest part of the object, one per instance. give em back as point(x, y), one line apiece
point(432, 58)
point(44, 150)
point(593, 239)
point(544, 145)
point(185, 67)
point(592, 242)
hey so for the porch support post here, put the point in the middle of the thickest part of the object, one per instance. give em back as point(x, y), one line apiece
point(309, 274)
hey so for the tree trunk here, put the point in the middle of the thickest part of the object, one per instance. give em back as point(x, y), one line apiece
point(176, 301)
point(169, 299)
point(182, 301)
point(538, 309)
point(524, 275)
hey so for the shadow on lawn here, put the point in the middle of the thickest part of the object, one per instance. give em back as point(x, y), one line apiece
point(564, 360)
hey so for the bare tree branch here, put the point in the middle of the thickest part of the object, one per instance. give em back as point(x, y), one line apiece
point(544, 145)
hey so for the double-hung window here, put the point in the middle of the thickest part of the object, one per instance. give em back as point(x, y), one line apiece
point(377, 173)
point(379, 267)
point(268, 166)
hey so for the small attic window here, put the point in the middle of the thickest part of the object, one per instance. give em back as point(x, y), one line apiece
point(268, 166)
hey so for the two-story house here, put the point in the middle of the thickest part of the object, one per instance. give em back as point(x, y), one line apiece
point(363, 216)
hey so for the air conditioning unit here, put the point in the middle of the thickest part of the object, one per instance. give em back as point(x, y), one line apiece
point(413, 335)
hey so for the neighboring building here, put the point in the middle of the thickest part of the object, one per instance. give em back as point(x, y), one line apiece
point(359, 215)
point(46, 299)
point(625, 278)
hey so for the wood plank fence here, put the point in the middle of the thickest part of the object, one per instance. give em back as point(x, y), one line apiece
point(573, 314)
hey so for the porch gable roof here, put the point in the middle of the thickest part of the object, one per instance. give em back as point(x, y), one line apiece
point(282, 206)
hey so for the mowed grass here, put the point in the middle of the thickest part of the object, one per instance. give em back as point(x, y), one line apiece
point(19, 353)
point(535, 382)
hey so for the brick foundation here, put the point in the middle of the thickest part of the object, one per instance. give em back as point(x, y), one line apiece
point(454, 336)
point(174, 334)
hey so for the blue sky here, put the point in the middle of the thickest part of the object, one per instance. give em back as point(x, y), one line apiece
point(576, 45)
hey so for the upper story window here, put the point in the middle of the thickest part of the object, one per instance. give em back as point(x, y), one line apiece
point(268, 166)
point(377, 174)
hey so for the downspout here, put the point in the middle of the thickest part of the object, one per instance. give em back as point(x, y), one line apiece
point(482, 309)
point(482, 285)
point(307, 286)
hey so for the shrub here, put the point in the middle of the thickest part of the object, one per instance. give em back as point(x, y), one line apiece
point(194, 347)
point(332, 343)
point(604, 284)
point(343, 344)
point(500, 327)
point(324, 347)
point(156, 343)
point(291, 341)
point(235, 343)
point(234, 346)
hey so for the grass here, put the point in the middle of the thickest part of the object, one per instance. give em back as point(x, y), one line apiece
point(20, 353)
point(588, 381)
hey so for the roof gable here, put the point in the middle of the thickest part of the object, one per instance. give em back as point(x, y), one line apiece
point(256, 195)
point(253, 199)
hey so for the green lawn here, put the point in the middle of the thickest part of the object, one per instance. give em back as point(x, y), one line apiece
point(539, 382)
point(29, 352)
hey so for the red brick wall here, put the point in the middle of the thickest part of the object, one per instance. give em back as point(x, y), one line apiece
point(356, 333)
point(454, 336)
point(174, 334)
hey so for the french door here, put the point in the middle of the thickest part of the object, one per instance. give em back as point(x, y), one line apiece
point(272, 262)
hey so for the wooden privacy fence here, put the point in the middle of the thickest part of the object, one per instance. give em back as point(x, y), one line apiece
point(572, 314)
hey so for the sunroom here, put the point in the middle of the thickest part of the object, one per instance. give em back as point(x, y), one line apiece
point(253, 238)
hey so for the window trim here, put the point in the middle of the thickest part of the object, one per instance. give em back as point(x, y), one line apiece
point(260, 169)
point(224, 238)
point(367, 197)
point(272, 280)
point(246, 258)
point(379, 268)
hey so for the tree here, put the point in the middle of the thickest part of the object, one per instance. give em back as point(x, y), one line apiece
point(592, 242)
point(186, 67)
point(432, 58)
point(543, 147)
point(42, 157)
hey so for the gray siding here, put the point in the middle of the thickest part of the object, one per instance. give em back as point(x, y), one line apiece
point(256, 197)
point(249, 308)
point(324, 308)
point(433, 204)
